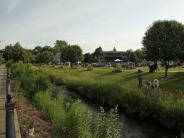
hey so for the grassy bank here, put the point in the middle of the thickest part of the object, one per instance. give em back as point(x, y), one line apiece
point(166, 105)
point(68, 118)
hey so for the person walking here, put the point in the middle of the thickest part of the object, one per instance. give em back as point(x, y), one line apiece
point(139, 78)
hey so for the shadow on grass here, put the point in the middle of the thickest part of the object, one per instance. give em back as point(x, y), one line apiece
point(107, 74)
point(174, 82)
point(134, 76)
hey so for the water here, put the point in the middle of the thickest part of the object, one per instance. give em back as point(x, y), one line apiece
point(132, 127)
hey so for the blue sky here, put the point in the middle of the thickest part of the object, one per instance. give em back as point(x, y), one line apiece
point(88, 23)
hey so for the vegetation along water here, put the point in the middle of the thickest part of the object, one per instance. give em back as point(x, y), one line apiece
point(165, 105)
point(69, 118)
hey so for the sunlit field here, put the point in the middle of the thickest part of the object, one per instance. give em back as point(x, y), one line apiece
point(165, 105)
point(126, 79)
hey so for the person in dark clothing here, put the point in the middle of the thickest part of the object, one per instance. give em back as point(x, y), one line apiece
point(139, 78)
point(155, 67)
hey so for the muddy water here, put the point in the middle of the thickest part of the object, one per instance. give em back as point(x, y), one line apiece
point(132, 127)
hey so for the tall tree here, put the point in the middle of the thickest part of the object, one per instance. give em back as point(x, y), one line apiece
point(17, 52)
point(37, 50)
point(59, 48)
point(88, 58)
point(98, 54)
point(131, 55)
point(45, 57)
point(27, 56)
point(47, 48)
point(59, 45)
point(139, 55)
point(13, 53)
point(8, 52)
point(164, 40)
point(72, 53)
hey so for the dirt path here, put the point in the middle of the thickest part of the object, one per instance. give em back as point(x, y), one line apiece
point(27, 114)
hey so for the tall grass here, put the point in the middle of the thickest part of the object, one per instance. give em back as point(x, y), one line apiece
point(30, 81)
point(166, 106)
point(69, 118)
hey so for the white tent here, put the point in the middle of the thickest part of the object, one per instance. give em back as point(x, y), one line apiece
point(117, 60)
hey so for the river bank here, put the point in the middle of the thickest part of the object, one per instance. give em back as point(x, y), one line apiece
point(132, 126)
point(68, 118)
point(165, 106)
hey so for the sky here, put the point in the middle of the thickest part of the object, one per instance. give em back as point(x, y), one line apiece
point(88, 23)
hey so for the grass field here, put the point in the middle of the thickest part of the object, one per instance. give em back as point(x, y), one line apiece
point(126, 79)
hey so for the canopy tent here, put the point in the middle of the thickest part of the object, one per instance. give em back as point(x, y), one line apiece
point(117, 60)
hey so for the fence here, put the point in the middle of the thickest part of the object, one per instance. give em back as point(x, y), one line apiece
point(10, 126)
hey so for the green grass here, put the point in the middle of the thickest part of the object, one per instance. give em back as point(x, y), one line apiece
point(70, 119)
point(166, 105)
point(126, 79)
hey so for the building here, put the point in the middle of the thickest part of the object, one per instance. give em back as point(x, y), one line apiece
point(111, 56)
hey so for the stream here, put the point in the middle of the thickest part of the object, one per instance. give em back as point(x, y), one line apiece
point(132, 127)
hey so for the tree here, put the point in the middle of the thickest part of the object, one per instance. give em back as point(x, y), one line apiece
point(72, 53)
point(27, 57)
point(98, 54)
point(164, 40)
point(37, 50)
point(17, 52)
point(8, 52)
point(88, 58)
point(43, 54)
point(45, 57)
point(47, 48)
point(13, 52)
point(139, 55)
point(59, 45)
point(131, 55)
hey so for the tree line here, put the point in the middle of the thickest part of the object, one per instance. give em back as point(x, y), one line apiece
point(45, 54)
point(163, 41)
point(61, 51)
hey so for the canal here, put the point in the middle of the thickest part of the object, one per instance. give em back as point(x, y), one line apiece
point(132, 127)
